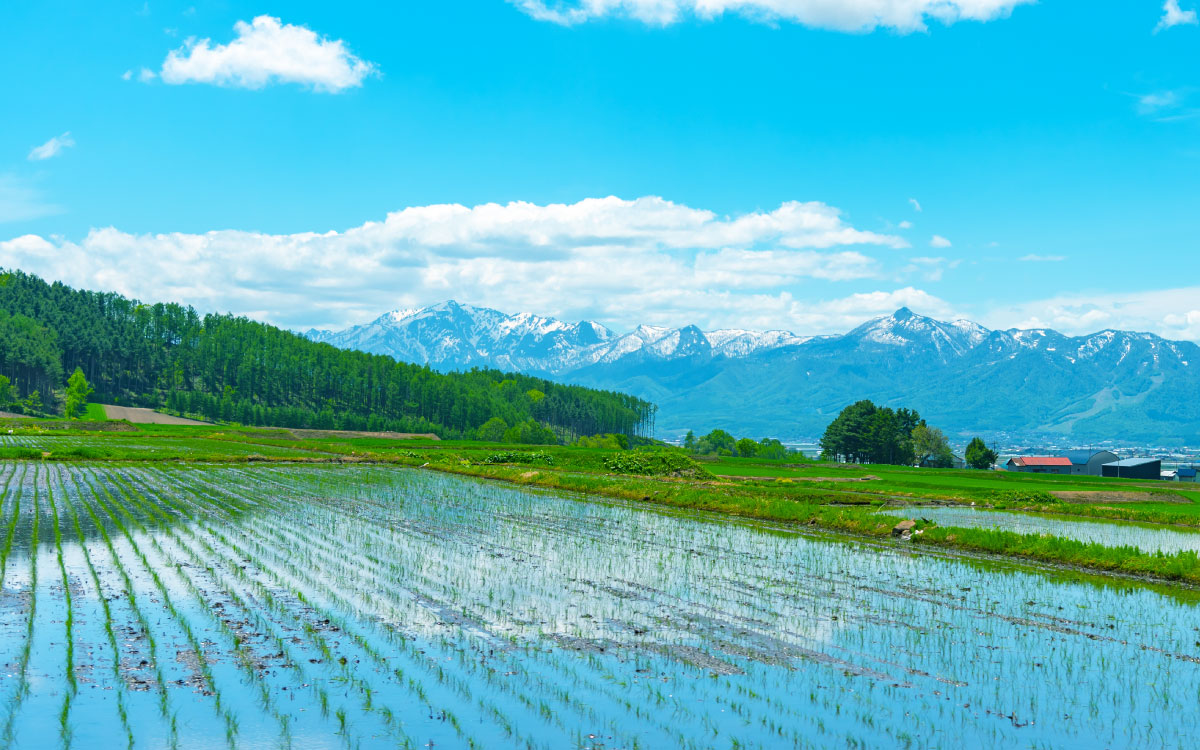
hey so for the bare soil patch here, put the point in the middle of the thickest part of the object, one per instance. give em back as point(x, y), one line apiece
point(139, 415)
point(10, 415)
point(302, 434)
point(1116, 496)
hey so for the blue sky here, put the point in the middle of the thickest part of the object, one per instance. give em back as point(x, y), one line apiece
point(766, 162)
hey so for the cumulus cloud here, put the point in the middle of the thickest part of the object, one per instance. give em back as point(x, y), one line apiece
point(1173, 15)
point(52, 147)
point(1172, 313)
point(839, 15)
point(266, 51)
point(619, 260)
point(767, 311)
point(938, 241)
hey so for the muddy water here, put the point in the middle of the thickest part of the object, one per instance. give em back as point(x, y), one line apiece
point(1145, 537)
point(267, 606)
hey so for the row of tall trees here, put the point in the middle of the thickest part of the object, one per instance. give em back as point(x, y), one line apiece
point(232, 368)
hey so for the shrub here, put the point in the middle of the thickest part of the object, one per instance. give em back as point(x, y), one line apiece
point(655, 463)
point(1019, 497)
point(520, 457)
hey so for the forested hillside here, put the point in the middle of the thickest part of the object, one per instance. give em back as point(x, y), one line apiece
point(230, 368)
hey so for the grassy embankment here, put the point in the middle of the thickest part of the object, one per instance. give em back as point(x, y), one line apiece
point(796, 495)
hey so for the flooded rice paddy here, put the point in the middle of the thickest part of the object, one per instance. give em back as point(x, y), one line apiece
point(159, 445)
point(270, 606)
point(1146, 537)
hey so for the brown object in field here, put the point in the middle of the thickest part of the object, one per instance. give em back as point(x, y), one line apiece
point(138, 415)
point(301, 434)
point(1117, 496)
point(904, 527)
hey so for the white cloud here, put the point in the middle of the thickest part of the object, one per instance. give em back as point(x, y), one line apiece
point(1172, 313)
point(1173, 15)
point(839, 15)
point(127, 75)
point(916, 204)
point(938, 241)
point(930, 268)
point(1155, 102)
point(840, 315)
point(618, 260)
point(52, 147)
point(906, 224)
point(267, 51)
point(1033, 258)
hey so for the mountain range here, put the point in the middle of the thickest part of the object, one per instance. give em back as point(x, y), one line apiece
point(1118, 386)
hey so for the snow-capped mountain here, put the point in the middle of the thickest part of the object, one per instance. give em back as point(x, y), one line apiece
point(452, 335)
point(1111, 385)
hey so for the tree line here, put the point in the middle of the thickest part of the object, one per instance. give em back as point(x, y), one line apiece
point(721, 443)
point(231, 368)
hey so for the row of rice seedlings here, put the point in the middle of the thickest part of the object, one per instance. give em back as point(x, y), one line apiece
point(11, 502)
point(64, 717)
point(119, 515)
point(22, 689)
point(88, 501)
point(119, 686)
point(42, 442)
point(250, 611)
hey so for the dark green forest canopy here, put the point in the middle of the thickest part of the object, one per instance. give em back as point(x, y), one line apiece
point(29, 354)
point(233, 368)
point(866, 433)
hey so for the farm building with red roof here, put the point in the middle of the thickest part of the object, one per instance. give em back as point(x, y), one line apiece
point(1040, 464)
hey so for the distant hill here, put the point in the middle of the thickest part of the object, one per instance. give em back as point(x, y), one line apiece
point(235, 369)
point(967, 379)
